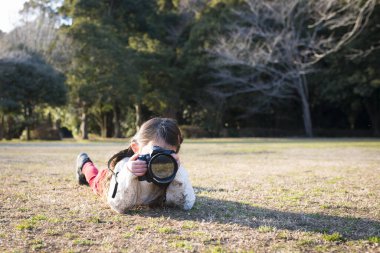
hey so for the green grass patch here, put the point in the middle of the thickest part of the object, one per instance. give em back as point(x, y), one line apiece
point(199, 234)
point(128, 235)
point(117, 218)
point(26, 225)
point(305, 242)
point(334, 180)
point(139, 228)
point(94, 219)
point(52, 232)
point(31, 223)
point(70, 236)
point(70, 251)
point(282, 235)
point(189, 225)
point(39, 217)
point(182, 245)
point(335, 237)
point(83, 242)
point(374, 239)
point(166, 230)
point(265, 229)
point(215, 249)
point(321, 248)
point(37, 244)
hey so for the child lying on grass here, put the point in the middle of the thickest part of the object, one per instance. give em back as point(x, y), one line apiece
point(152, 152)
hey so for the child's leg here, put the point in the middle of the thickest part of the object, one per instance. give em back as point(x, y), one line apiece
point(93, 176)
point(90, 172)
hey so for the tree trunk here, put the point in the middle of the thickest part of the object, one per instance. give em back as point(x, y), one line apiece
point(351, 121)
point(138, 116)
point(83, 125)
point(103, 125)
point(27, 116)
point(307, 117)
point(218, 123)
point(10, 129)
point(27, 132)
point(116, 122)
point(373, 109)
point(375, 127)
point(2, 127)
point(303, 93)
point(219, 107)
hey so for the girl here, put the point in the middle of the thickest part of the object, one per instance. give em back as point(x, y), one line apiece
point(120, 185)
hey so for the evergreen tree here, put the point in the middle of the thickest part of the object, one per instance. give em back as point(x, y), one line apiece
point(27, 81)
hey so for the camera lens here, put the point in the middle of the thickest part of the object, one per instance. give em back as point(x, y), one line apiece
point(162, 166)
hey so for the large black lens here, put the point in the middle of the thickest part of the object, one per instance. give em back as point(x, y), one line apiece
point(162, 166)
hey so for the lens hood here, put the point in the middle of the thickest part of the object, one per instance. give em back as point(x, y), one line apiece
point(162, 167)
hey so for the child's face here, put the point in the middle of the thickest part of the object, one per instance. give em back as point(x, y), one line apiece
point(148, 147)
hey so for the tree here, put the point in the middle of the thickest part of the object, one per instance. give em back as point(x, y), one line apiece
point(127, 52)
point(354, 82)
point(28, 54)
point(101, 73)
point(200, 107)
point(27, 81)
point(273, 45)
point(39, 33)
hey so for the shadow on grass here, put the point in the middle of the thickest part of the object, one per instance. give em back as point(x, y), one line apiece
point(230, 212)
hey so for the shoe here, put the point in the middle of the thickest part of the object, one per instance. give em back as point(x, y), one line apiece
point(82, 158)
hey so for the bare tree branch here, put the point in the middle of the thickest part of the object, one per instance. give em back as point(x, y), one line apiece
point(357, 53)
point(279, 42)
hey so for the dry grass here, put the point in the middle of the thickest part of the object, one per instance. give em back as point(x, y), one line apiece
point(253, 195)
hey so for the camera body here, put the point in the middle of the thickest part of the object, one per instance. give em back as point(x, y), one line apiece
point(162, 167)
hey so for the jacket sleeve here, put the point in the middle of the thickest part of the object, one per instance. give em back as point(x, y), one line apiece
point(126, 191)
point(180, 193)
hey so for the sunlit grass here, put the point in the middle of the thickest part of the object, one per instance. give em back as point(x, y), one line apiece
point(253, 195)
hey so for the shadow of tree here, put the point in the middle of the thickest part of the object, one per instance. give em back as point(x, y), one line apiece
point(227, 212)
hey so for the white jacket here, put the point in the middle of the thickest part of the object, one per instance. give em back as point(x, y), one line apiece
point(131, 192)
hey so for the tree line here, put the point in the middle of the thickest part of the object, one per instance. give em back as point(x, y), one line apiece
point(220, 67)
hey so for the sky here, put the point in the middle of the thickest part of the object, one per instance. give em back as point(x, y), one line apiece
point(9, 13)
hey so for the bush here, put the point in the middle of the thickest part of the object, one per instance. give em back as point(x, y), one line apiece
point(10, 127)
point(43, 133)
point(189, 131)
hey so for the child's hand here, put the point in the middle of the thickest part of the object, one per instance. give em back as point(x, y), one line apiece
point(176, 157)
point(137, 167)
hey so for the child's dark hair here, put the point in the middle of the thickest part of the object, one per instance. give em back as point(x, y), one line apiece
point(165, 129)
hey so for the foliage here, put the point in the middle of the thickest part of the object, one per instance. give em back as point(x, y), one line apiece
point(27, 81)
point(219, 67)
point(272, 46)
point(354, 83)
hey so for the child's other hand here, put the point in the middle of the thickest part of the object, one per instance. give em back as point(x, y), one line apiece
point(176, 157)
point(137, 167)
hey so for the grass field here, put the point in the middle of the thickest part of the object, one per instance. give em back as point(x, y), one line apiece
point(253, 195)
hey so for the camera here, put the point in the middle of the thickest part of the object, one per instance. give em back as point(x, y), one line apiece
point(162, 167)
